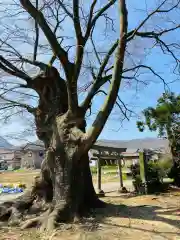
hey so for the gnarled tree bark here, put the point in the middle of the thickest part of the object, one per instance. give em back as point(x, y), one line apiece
point(65, 183)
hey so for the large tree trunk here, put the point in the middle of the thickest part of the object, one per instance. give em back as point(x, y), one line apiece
point(65, 182)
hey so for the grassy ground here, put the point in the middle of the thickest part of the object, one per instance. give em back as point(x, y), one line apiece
point(127, 218)
point(27, 176)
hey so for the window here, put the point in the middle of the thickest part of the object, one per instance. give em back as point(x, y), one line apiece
point(41, 153)
point(29, 154)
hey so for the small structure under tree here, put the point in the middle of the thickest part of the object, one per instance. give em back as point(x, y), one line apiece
point(104, 155)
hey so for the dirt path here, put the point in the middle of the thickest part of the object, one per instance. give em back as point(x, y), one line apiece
point(114, 186)
point(8, 197)
point(106, 187)
point(128, 218)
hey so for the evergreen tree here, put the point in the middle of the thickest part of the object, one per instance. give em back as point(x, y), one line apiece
point(165, 118)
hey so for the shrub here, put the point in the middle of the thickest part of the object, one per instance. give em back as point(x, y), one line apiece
point(135, 170)
point(93, 170)
point(175, 173)
point(154, 180)
point(137, 183)
point(153, 171)
point(170, 169)
point(165, 165)
point(16, 168)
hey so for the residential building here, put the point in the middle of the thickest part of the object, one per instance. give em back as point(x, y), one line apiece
point(32, 155)
point(12, 156)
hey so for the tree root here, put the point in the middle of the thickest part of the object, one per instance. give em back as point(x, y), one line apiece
point(15, 216)
point(13, 211)
point(34, 222)
point(42, 222)
point(47, 216)
point(49, 213)
point(50, 219)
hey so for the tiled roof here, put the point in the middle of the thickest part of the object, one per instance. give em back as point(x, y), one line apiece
point(132, 146)
point(144, 143)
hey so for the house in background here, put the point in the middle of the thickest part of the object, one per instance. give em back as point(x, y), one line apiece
point(12, 156)
point(27, 156)
point(155, 148)
point(130, 156)
point(32, 155)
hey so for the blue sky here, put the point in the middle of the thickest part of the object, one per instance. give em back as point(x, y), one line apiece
point(146, 95)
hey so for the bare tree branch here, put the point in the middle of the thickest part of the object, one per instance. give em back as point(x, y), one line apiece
point(79, 53)
point(57, 49)
point(89, 23)
point(9, 101)
point(65, 9)
point(8, 67)
point(98, 15)
point(99, 79)
point(76, 20)
point(157, 10)
point(37, 36)
point(95, 50)
point(148, 68)
point(39, 64)
point(163, 44)
point(95, 130)
point(49, 16)
point(119, 106)
point(155, 34)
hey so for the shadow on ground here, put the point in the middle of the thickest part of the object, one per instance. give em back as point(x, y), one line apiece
point(145, 218)
point(125, 217)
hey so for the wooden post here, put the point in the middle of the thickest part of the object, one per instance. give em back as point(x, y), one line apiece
point(120, 174)
point(99, 190)
point(121, 189)
point(143, 169)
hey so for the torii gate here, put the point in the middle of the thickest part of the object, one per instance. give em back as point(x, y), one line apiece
point(107, 154)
